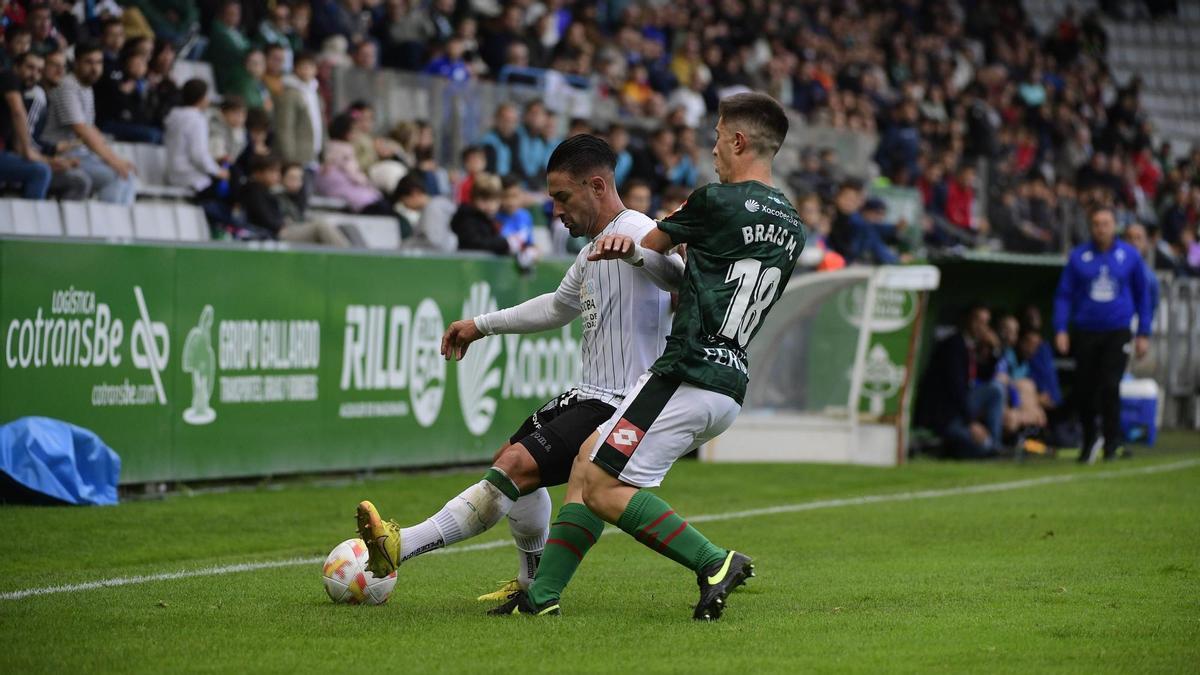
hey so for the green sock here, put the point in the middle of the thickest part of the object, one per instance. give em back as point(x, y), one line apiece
point(571, 535)
point(503, 483)
point(651, 521)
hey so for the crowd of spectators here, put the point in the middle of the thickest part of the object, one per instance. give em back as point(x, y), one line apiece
point(1008, 136)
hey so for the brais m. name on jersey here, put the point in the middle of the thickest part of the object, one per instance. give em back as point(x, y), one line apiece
point(769, 232)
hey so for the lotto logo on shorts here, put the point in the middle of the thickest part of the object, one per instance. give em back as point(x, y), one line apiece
point(625, 437)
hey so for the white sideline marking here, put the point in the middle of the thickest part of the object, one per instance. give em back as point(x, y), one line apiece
point(731, 515)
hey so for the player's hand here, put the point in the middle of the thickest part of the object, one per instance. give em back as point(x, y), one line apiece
point(611, 247)
point(458, 337)
point(1141, 345)
point(979, 433)
point(1062, 343)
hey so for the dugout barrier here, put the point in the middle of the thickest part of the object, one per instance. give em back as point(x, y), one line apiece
point(218, 361)
point(831, 370)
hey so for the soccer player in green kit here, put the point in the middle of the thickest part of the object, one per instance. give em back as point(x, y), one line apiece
point(743, 238)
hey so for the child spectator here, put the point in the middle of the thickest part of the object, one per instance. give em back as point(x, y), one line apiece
point(124, 108)
point(516, 223)
point(474, 160)
point(265, 210)
point(428, 216)
point(294, 202)
point(475, 222)
point(299, 125)
point(258, 144)
point(227, 131)
point(189, 162)
point(341, 176)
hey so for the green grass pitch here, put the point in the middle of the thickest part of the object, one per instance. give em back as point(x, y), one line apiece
point(1083, 569)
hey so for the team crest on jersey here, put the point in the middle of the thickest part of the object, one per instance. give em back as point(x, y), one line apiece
point(625, 437)
point(752, 206)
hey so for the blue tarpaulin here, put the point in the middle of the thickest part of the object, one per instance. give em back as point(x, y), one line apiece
point(43, 460)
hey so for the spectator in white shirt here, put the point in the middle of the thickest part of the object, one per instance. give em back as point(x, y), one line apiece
point(690, 99)
point(72, 119)
point(189, 162)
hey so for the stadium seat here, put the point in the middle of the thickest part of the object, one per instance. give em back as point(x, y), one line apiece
point(190, 223)
point(185, 70)
point(37, 218)
point(154, 220)
point(326, 203)
point(151, 163)
point(75, 219)
point(113, 221)
point(378, 232)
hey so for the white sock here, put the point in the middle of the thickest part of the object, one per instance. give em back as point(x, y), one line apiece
point(529, 522)
point(472, 512)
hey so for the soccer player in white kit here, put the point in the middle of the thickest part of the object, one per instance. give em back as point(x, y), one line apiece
point(626, 317)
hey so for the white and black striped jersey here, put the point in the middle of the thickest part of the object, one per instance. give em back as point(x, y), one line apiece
point(625, 317)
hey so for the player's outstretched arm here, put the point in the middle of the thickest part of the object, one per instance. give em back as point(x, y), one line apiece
point(664, 269)
point(537, 314)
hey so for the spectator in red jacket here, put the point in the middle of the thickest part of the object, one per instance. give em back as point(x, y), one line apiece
point(960, 199)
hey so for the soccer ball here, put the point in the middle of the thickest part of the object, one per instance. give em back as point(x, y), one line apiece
point(347, 579)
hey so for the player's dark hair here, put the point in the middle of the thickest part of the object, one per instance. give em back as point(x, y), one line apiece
point(194, 91)
point(582, 154)
point(759, 117)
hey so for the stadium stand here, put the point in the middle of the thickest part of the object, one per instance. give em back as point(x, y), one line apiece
point(1031, 94)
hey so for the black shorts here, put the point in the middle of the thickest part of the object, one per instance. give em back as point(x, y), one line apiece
point(553, 434)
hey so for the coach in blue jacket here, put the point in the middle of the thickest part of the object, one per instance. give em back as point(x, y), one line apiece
point(1102, 288)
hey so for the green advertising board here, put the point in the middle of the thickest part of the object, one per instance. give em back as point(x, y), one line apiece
point(839, 321)
point(210, 362)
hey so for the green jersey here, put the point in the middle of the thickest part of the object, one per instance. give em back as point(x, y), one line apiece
point(742, 243)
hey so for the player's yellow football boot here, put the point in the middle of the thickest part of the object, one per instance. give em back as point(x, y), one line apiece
point(506, 590)
point(521, 604)
point(717, 581)
point(382, 539)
